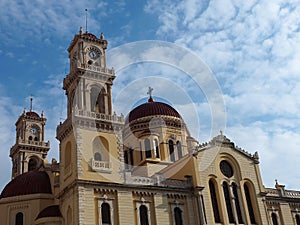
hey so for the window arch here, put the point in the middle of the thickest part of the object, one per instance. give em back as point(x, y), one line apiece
point(171, 150)
point(178, 216)
point(147, 148)
point(228, 202)
point(249, 203)
point(214, 201)
point(297, 217)
point(101, 146)
point(32, 164)
point(19, 220)
point(156, 148)
point(36, 139)
point(237, 203)
point(179, 149)
point(68, 154)
point(143, 215)
point(30, 138)
point(105, 213)
point(97, 100)
point(274, 219)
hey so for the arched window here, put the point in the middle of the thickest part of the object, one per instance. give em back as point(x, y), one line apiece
point(19, 220)
point(68, 154)
point(105, 213)
point(100, 145)
point(274, 219)
point(148, 148)
point(141, 151)
point(30, 138)
point(171, 151)
point(214, 201)
point(249, 204)
point(156, 148)
point(130, 151)
point(32, 164)
point(228, 203)
point(297, 219)
point(179, 149)
point(237, 203)
point(36, 139)
point(97, 100)
point(144, 215)
point(178, 216)
point(97, 156)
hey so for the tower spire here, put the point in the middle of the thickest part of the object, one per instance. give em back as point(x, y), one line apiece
point(31, 99)
point(86, 22)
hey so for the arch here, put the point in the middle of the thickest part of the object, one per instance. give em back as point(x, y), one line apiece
point(178, 216)
point(19, 219)
point(274, 219)
point(68, 153)
point(214, 201)
point(249, 203)
point(179, 149)
point(30, 138)
point(143, 215)
point(101, 146)
point(156, 147)
point(171, 151)
point(36, 139)
point(297, 217)
point(227, 198)
point(105, 213)
point(147, 148)
point(32, 164)
point(97, 99)
point(237, 203)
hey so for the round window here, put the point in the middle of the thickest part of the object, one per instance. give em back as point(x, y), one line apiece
point(226, 169)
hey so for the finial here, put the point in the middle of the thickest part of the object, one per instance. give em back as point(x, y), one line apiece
point(221, 132)
point(80, 30)
point(31, 99)
point(101, 36)
point(150, 89)
point(24, 111)
point(42, 114)
point(86, 22)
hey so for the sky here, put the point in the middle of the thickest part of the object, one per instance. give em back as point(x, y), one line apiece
point(250, 49)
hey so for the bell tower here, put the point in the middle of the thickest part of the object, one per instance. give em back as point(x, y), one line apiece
point(30, 148)
point(89, 137)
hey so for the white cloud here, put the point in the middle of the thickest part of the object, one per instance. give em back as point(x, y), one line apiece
point(253, 49)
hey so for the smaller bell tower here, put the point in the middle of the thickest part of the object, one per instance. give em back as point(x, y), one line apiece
point(30, 148)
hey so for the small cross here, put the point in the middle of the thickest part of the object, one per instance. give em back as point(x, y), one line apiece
point(150, 89)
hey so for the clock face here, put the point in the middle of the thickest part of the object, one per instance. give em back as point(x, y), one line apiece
point(93, 54)
point(33, 130)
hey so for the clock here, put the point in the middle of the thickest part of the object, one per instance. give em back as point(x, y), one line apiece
point(33, 130)
point(93, 54)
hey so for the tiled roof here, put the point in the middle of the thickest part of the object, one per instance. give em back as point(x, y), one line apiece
point(33, 182)
point(50, 211)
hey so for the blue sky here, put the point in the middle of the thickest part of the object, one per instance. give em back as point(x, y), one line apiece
point(252, 48)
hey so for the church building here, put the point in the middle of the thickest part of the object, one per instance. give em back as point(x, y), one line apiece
point(144, 168)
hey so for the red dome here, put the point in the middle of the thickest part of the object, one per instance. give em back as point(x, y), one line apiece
point(152, 108)
point(32, 114)
point(33, 182)
point(50, 211)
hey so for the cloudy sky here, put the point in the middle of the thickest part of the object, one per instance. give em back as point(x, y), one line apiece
point(251, 49)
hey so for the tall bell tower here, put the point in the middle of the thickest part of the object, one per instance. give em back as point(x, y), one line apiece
point(30, 148)
point(89, 139)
